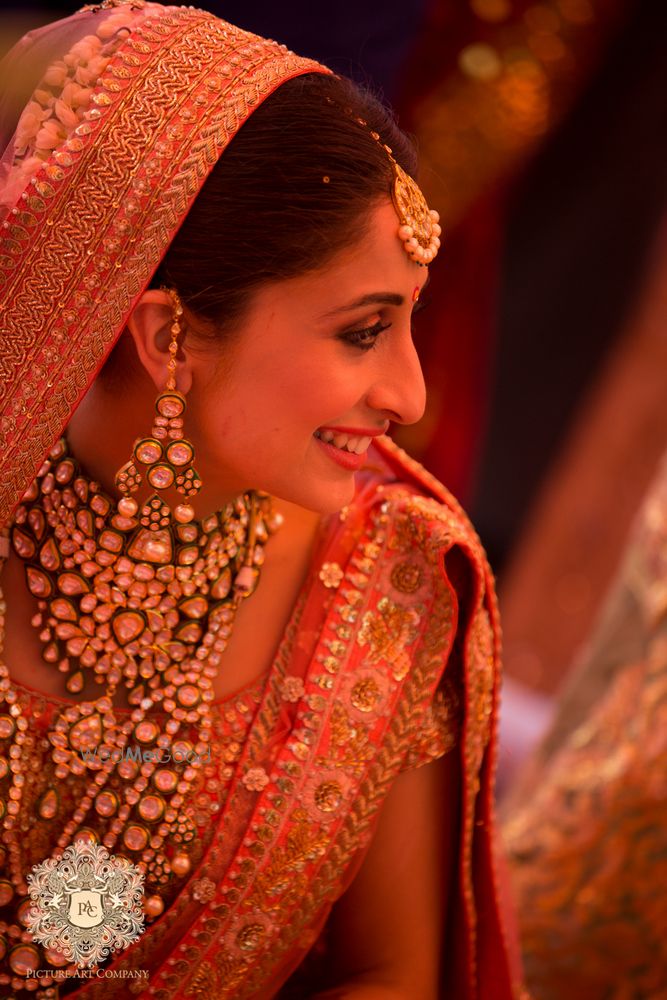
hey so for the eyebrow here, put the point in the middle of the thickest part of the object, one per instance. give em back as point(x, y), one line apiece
point(373, 299)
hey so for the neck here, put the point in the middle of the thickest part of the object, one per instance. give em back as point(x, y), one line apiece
point(101, 435)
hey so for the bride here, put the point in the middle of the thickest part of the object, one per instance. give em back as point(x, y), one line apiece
point(250, 645)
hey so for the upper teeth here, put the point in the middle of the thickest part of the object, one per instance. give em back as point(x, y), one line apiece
point(357, 445)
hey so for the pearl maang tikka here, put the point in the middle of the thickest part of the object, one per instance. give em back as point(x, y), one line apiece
point(166, 455)
point(419, 229)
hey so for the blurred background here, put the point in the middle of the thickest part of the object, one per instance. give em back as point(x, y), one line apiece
point(542, 130)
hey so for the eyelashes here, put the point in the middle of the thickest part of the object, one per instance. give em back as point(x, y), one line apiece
point(367, 337)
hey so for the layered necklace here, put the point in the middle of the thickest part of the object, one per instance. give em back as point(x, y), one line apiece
point(145, 610)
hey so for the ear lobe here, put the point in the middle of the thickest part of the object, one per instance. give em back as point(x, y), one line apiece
point(150, 327)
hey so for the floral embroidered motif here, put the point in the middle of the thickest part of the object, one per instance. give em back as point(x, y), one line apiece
point(331, 574)
point(441, 725)
point(407, 577)
point(255, 779)
point(227, 972)
point(292, 689)
point(203, 890)
point(365, 694)
point(250, 937)
point(387, 631)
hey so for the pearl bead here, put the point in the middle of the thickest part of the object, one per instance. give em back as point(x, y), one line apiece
point(127, 507)
point(180, 864)
point(184, 513)
point(153, 906)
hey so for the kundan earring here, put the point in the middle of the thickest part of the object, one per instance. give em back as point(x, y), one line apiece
point(165, 457)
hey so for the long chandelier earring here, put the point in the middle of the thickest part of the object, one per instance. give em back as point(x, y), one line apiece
point(165, 457)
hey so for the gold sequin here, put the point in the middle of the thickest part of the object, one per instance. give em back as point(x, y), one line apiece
point(328, 796)
point(407, 577)
point(365, 694)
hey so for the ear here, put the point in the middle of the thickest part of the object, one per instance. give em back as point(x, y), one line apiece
point(150, 326)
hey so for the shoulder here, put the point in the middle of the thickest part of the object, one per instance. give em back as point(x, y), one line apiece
point(421, 599)
point(427, 527)
point(430, 567)
point(419, 513)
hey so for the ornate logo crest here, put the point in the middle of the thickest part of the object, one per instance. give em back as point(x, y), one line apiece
point(86, 904)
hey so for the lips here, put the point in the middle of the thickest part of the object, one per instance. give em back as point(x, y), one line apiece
point(346, 459)
point(356, 445)
point(348, 446)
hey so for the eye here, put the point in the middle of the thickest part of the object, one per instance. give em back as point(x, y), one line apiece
point(366, 338)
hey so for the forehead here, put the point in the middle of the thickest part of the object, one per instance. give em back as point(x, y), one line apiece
point(375, 261)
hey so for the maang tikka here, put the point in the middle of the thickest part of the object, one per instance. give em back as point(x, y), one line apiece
point(165, 456)
point(419, 230)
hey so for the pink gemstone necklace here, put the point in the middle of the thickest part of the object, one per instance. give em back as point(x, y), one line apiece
point(154, 618)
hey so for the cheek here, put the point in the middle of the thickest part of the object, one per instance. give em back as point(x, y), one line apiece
point(275, 393)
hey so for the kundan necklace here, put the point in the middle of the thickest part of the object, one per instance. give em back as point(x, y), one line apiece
point(154, 619)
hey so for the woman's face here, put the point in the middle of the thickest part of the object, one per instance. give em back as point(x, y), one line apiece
point(330, 350)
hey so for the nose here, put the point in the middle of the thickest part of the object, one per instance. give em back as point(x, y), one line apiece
point(399, 390)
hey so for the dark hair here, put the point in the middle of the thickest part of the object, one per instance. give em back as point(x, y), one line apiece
point(293, 188)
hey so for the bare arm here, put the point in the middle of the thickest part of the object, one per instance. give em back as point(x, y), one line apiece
point(387, 929)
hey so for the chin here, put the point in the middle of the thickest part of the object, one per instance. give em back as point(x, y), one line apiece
point(322, 496)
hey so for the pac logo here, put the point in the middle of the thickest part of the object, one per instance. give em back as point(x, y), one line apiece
point(86, 904)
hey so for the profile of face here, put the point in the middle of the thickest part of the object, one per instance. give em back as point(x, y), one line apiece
point(331, 350)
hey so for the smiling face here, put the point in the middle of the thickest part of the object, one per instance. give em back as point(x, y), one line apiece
point(331, 350)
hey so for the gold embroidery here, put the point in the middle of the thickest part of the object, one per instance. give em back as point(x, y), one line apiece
point(407, 577)
point(587, 844)
point(387, 631)
point(283, 875)
point(331, 574)
point(482, 676)
point(301, 858)
point(250, 937)
point(350, 746)
point(365, 694)
point(328, 796)
point(229, 972)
